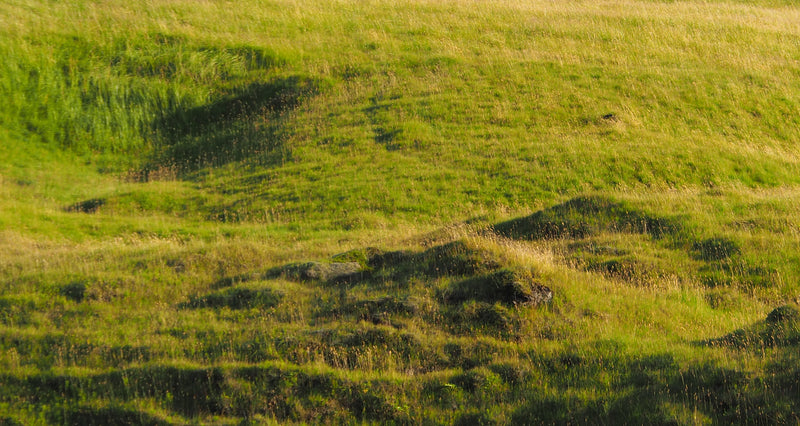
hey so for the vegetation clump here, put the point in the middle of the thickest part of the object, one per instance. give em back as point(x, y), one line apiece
point(785, 314)
point(507, 286)
point(320, 271)
point(627, 269)
point(714, 249)
point(473, 317)
point(381, 310)
point(74, 291)
point(330, 271)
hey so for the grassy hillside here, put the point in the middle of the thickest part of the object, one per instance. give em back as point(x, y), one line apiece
point(511, 212)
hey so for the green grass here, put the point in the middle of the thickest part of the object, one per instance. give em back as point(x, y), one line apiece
point(346, 212)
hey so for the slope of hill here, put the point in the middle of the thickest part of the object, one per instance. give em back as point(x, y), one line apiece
point(399, 211)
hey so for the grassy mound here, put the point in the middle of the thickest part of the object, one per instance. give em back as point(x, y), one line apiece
point(585, 216)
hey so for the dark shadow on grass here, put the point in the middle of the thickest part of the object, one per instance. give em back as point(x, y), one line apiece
point(244, 122)
point(717, 248)
point(86, 206)
point(588, 215)
point(236, 298)
point(49, 350)
point(107, 416)
point(655, 389)
point(780, 329)
point(378, 311)
point(195, 392)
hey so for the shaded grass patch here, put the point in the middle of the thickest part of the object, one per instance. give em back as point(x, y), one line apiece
point(583, 216)
point(87, 206)
point(243, 122)
point(716, 248)
point(111, 416)
point(507, 286)
point(781, 328)
point(237, 298)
